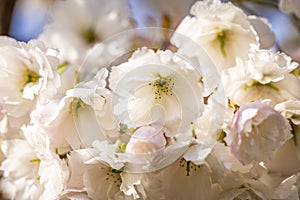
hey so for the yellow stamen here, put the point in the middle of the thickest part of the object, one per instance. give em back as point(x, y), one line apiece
point(35, 160)
point(162, 85)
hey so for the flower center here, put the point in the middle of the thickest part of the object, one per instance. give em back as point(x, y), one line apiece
point(90, 36)
point(77, 104)
point(30, 77)
point(221, 36)
point(189, 166)
point(113, 175)
point(162, 86)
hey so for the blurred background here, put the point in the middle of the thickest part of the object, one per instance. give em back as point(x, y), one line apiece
point(25, 19)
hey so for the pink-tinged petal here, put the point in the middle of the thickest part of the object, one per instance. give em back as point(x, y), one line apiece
point(257, 135)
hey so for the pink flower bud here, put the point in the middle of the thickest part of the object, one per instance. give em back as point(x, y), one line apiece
point(257, 130)
point(146, 139)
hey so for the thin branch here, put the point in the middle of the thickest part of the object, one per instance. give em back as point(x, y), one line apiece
point(6, 10)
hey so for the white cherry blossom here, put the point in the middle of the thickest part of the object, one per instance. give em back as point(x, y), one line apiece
point(185, 180)
point(101, 181)
point(290, 110)
point(78, 25)
point(265, 75)
point(62, 117)
point(221, 29)
point(27, 77)
point(257, 130)
point(31, 169)
point(156, 88)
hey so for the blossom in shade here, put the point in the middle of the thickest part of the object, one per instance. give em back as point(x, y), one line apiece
point(239, 187)
point(281, 163)
point(145, 148)
point(78, 25)
point(263, 29)
point(31, 169)
point(290, 110)
point(185, 180)
point(101, 181)
point(288, 188)
point(257, 130)
point(156, 13)
point(232, 180)
point(146, 140)
point(290, 6)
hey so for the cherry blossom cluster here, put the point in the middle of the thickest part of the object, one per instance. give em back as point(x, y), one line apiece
point(96, 109)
